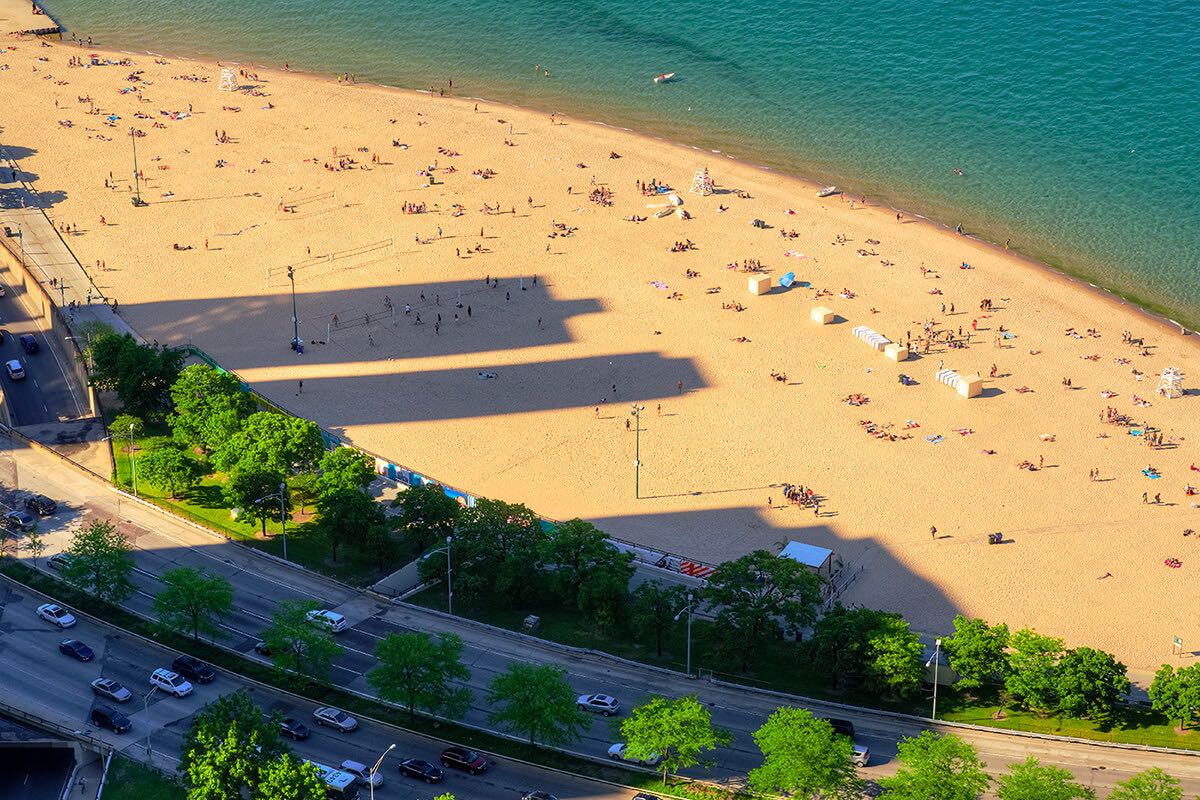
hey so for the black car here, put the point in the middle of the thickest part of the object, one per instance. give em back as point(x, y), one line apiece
point(19, 521)
point(843, 727)
point(294, 729)
point(76, 649)
point(41, 505)
point(537, 794)
point(28, 343)
point(115, 721)
point(464, 759)
point(421, 770)
point(194, 669)
point(262, 648)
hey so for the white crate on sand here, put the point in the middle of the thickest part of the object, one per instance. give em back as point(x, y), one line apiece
point(874, 339)
point(966, 385)
point(896, 352)
point(759, 284)
point(822, 315)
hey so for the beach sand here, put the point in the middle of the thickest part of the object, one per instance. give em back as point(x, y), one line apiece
point(713, 454)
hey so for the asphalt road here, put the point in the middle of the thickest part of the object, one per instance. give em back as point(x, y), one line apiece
point(45, 394)
point(34, 773)
point(40, 678)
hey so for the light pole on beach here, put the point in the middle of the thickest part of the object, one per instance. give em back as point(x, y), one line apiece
point(137, 178)
point(637, 450)
point(297, 344)
point(688, 608)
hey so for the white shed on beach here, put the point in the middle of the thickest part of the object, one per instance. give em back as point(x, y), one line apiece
point(817, 559)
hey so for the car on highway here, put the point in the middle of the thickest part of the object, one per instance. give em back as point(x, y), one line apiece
point(194, 669)
point(464, 759)
point(294, 729)
point(421, 770)
point(76, 649)
point(107, 687)
point(41, 505)
point(29, 343)
point(53, 612)
point(170, 682)
point(363, 773)
point(537, 794)
point(262, 648)
point(844, 727)
point(335, 718)
point(332, 620)
point(15, 371)
point(19, 521)
point(619, 752)
point(603, 704)
point(60, 561)
point(105, 717)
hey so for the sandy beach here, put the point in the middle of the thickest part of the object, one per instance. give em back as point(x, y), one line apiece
point(545, 313)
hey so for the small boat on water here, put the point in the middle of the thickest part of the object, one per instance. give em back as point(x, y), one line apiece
point(827, 191)
point(665, 77)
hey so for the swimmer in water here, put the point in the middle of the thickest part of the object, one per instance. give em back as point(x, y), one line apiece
point(958, 171)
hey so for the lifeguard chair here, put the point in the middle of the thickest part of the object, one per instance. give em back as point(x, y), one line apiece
point(702, 183)
point(1170, 385)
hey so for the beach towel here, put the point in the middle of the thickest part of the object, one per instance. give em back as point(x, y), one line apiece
point(1151, 475)
point(794, 254)
point(937, 439)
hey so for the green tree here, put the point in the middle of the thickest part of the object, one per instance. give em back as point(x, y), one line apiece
point(501, 541)
point(348, 515)
point(249, 485)
point(678, 731)
point(654, 609)
point(1030, 780)
point(894, 665)
point(287, 778)
point(754, 595)
point(193, 601)
point(1090, 683)
point(425, 514)
point(933, 765)
point(1033, 664)
point(586, 571)
point(419, 671)
point(977, 652)
point(344, 468)
point(1176, 692)
point(803, 758)
point(536, 701)
point(227, 744)
point(304, 489)
point(102, 561)
point(298, 645)
point(139, 374)
point(209, 407)
point(34, 544)
point(169, 468)
point(119, 427)
point(1152, 784)
point(876, 646)
point(271, 441)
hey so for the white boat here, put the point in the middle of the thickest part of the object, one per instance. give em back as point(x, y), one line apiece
point(665, 77)
point(827, 191)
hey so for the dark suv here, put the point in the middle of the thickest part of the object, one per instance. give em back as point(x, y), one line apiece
point(464, 759)
point(28, 343)
point(115, 721)
point(194, 669)
point(41, 505)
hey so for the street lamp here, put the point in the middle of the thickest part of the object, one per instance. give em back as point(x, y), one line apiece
point(937, 651)
point(149, 725)
point(282, 495)
point(132, 460)
point(137, 200)
point(449, 585)
point(297, 343)
point(374, 769)
point(688, 608)
point(637, 449)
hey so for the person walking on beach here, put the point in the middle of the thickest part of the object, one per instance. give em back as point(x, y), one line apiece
point(932, 532)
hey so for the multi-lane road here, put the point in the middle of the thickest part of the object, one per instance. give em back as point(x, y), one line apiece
point(259, 584)
point(46, 394)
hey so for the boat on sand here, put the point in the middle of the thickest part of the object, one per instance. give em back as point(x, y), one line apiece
point(827, 191)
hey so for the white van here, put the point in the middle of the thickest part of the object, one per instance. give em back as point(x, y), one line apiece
point(330, 619)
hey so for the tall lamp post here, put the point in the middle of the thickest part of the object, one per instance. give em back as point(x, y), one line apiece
point(449, 585)
point(137, 200)
point(374, 769)
point(150, 728)
point(688, 608)
point(297, 343)
point(133, 460)
point(936, 660)
point(282, 495)
point(637, 449)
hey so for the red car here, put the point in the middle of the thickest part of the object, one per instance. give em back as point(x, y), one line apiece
point(464, 759)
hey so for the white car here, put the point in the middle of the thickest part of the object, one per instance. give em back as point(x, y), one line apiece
point(15, 370)
point(170, 682)
point(603, 704)
point(335, 718)
point(363, 773)
point(53, 612)
point(618, 753)
point(330, 619)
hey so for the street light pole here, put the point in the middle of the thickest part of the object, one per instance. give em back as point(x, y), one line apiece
point(283, 515)
point(297, 344)
point(637, 450)
point(137, 182)
point(374, 769)
point(149, 727)
point(937, 651)
point(132, 460)
point(449, 583)
point(690, 605)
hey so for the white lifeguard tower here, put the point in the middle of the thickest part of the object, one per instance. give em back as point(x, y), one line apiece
point(229, 80)
point(702, 183)
point(1170, 385)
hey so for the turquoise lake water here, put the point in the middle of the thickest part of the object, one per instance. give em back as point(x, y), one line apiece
point(1076, 123)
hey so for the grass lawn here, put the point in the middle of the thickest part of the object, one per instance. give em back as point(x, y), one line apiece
point(129, 778)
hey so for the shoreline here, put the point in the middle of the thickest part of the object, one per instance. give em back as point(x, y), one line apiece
point(1117, 298)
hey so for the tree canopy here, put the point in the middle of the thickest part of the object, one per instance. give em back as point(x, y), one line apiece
point(209, 407)
point(168, 468)
point(1090, 683)
point(139, 374)
point(933, 765)
point(977, 652)
point(1033, 665)
point(249, 490)
point(226, 747)
point(102, 561)
point(501, 541)
point(419, 671)
point(586, 571)
point(271, 441)
point(1176, 692)
point(344, 468)
point(654, 608)
point(537, 702)
point(877, 646)
point(1031, 780)
point(426, 514)
point(298, 645)
point(678, 731)
point(288, 778)
point(804, 758)
point(1152, 784)
point(349, 515)
point(193, 601)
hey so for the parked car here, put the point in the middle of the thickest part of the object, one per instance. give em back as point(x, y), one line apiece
point(421, 770)
point(170, 682)
point(618, 752)
point(76, 649)
point(29, 343)
point(332, 620)
point(107, 687)
point(105, 717)
point(53, 612)
point(844, 727)
point(60, 561)
point(363, 773)
point(603, 704)
point(464, 759)
point(294, 729)
point(194, 669)
point(41, 505)
point(19, 521)
point(261, 648)
point(335, 718)
point(537, 794)
point(15, 371)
